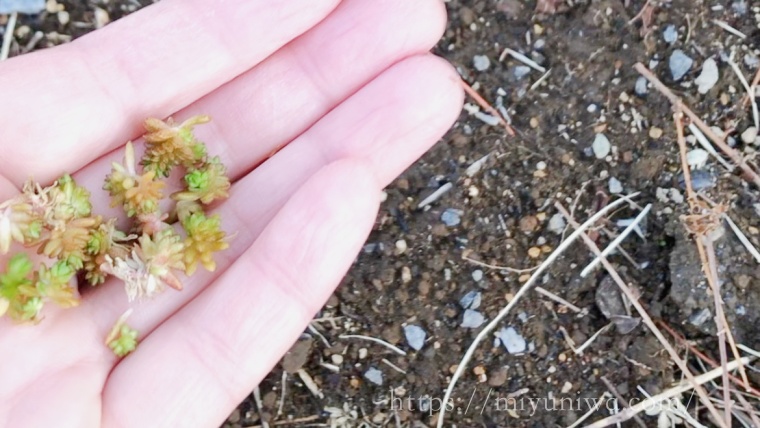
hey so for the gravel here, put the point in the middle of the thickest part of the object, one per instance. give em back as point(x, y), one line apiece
point(472, 319)
point(21, 6)
point(374, 375)
point(708, 77)
point(521, 71)
point(471, 300)
point(451, 217)
point(415, 336)
point(601, 146)
point(641, 86)
point(749, 135)
point(615, 186)
point(680, 64)
point(481, 62)
point(512, 340)
point(670, 34)
point(557, 224)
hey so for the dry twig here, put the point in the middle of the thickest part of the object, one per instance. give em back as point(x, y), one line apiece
point(633, 298)
point(487, 107)
point(678, 104)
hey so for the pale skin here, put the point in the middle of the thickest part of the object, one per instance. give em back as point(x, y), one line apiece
point(346, 88)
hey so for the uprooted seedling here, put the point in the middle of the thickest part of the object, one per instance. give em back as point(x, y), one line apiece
point(162, 240)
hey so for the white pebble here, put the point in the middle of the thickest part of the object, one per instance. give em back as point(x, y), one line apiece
point(557, 223)
point(601, 146)
point(708, 77)
point(401, 246)
point(615, 186)
point(477, 275)
point(749, 136)
point(472, 319)
point(374, 375)
point(541, 166)
point(415, 336)
point(697, 158)
point(337, 359)
point(481, 62)
point(512, 340)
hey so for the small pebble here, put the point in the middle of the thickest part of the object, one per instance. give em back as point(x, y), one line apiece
point(477, 275)
point(567, 387)
point(470, 300)
point(751, 61)
point(63, 17)
point(337, 359)
point(641, 86)
point(708, 77)
point(521, 71)
point(451, 217)
point(534, 122)
point(655, 133)
point(528, 224)
point(481, 62)
point(557, 223)
point(601, 146)
point(21, 6)
point(670, 34)
point(749, 135)
point(534, 252)
point(363, 353)
point(472, 319)
point(680, 64)
point(697, 158)
point(541, 166)
point(739, 7)
point(374, 375)
point(406, 274)
point(415, 336)
point(512, 340)
point(400, 246)
point(615, 186)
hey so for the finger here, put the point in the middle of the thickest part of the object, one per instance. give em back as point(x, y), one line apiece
point(221, 345)
point(270, 105)
point(389, 124)
point(151, 63)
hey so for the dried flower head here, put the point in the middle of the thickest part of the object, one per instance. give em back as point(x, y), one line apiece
point(170, 145)
point(16, 224)
point(204, 238)
point(148, 269)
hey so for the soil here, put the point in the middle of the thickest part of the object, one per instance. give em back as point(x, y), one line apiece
point(417, 264)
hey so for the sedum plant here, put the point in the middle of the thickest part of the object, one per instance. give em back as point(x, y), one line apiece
point(168, 236)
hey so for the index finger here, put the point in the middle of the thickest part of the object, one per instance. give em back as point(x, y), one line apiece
point(69, 105)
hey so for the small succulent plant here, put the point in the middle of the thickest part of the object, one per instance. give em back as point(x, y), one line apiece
point(160, 245)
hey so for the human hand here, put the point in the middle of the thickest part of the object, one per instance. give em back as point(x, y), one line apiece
point(346, 90)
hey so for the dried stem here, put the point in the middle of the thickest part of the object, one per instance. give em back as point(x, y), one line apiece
point(678, 104)
point(633, 298)
point(706, 254)
point(487, 107)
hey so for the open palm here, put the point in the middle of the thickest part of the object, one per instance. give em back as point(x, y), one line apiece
point(345, 89)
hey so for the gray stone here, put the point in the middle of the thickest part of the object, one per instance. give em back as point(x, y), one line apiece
point(472, 319)
point(670, 34)
point(470, 300)
point(512, 340)
point(415, 336)
point(680, 64)
point(21, 6)
point(481, 62)
point(601, 146)
point(374, 375)
point(451, 217)
point(641, 86)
